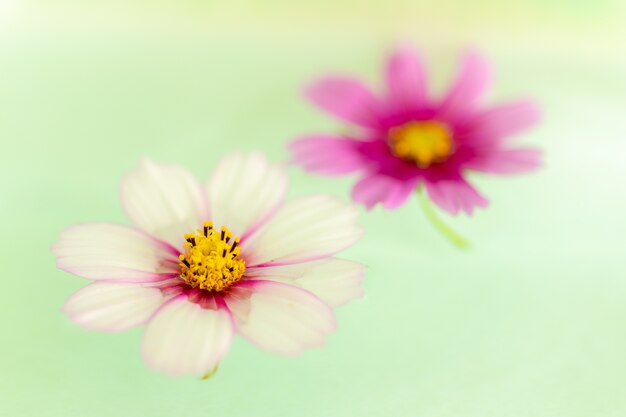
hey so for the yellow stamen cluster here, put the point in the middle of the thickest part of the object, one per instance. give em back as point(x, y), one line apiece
point(212, 260)
point(422, 142)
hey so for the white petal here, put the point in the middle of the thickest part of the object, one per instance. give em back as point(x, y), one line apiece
point(280, 318)
point(335, 281)
point(110, 307)
point(114, 253)
point(184, 338)
point(287, 272)
point(303, 230)
point(244, 191)
point(164, 200)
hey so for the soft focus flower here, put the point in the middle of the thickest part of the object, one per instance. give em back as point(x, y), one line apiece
point(408, 139)
point(204, 262)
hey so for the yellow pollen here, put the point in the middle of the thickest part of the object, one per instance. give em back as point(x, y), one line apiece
point(212, 260)
point(424, 142)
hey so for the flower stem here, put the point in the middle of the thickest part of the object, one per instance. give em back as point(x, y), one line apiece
point(210, 374)
point(431, 214)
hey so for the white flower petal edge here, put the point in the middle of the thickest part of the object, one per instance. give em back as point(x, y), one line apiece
point(164, 200)
point(183, 338)
point(110, 307)
point(283, 305)
point(244, 191)
point(303, 230)
point(280, 318)
point(335, 281)
point(114, 253)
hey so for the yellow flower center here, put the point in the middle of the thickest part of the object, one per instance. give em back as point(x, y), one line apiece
point(424, 142)
point(212, 260)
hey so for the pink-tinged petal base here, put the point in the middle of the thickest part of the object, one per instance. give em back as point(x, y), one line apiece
point(187, 338)
point(346, 99)
point(390, 192)
point(304, 230)
point(165, 200)
point(454, 196)
point(280, 318)
point(327, 155)
point(114, 253)
point(507, 161)
point(108, 307)
point(335, 281)
point(244, 191)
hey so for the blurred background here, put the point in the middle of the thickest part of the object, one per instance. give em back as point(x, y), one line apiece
point(530, 322)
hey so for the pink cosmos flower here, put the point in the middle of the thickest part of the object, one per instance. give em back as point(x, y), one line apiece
point(408, 139)
point(203, 262)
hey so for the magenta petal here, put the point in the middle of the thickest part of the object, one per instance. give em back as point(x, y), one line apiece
point(389, 192)
point(507, 161)
point(346, 99)
point(326, 155)
point(455, 195)
point(406, 79)
point(505, 120)
point(470, 85)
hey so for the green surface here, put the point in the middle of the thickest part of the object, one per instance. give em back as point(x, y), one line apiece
point(529, 322)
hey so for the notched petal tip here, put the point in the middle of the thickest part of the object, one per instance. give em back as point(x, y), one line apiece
point(376, 189)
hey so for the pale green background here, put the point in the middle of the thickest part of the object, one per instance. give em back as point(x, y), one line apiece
point(531, 322)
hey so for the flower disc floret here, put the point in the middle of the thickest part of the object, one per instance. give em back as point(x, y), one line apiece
point(212, 261)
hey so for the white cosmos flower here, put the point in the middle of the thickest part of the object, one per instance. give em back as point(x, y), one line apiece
point(203, 262)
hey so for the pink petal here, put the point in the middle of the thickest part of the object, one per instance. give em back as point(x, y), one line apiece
point(244, 191)
point(164, 200)
point(114, 253)
point(406, 79)
point(390, 192)
point(305, 229)
point(470, 85)
point(335, 281)
point(280, 318)
point(453, 196)
point(346, 99)
point(184, 338)
point(326, 155)
point(507, 161)
point(505, 120)
point(112, 307)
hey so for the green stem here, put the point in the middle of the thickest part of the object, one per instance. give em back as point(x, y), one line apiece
point(431, 214)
